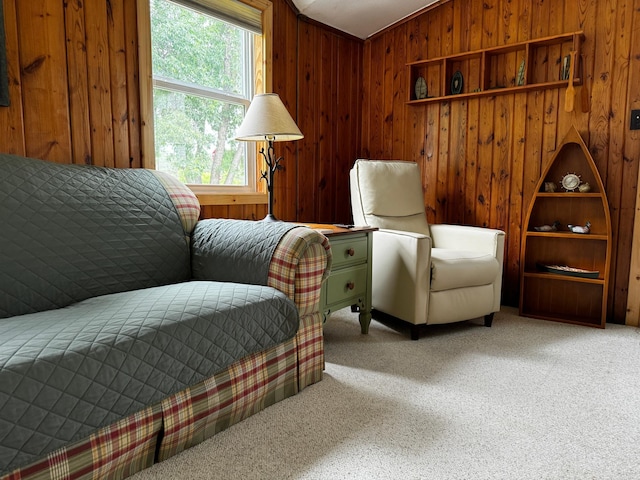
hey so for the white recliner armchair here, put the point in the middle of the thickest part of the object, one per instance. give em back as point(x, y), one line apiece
point(423, 274)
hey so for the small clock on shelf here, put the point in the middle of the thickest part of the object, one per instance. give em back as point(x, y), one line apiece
point(421, 88)
point(570, 182)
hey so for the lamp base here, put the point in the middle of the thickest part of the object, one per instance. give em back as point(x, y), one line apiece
point(270, 218)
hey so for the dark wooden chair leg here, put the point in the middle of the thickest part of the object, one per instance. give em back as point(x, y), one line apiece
point(415, 332)
point(488, 320)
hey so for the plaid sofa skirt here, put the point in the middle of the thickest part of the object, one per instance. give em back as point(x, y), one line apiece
point(300, 264)
point(190, 416)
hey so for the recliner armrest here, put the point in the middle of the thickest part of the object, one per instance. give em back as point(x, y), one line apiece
point(401, 259)
point(462, 237)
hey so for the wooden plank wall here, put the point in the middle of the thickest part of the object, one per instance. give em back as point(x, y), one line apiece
point(73, 68)
point(481, 158)
point(73, 75)
point(74, 90)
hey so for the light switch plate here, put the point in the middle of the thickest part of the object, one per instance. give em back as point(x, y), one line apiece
point(635, 120)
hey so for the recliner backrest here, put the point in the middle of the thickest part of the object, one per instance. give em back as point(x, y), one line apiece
point(388, 194)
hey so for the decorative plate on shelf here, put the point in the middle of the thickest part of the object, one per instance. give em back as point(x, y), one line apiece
point(566, 270)
point(456, 83)
point(570, 182)
point(421, 88)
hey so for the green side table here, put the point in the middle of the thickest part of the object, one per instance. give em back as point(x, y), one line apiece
point(350, 281)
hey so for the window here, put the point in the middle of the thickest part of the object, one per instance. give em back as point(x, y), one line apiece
point(204, 73)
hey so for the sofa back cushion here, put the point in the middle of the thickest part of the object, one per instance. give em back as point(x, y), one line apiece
point(70, 232)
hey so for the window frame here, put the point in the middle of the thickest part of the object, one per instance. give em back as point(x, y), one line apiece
point(207, 194)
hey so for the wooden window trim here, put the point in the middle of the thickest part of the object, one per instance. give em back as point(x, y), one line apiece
point(263, 84)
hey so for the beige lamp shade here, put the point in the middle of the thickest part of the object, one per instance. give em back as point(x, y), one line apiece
point(268, 119)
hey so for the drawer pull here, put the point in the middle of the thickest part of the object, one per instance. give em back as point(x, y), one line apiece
point(350, 286)
point(351, 252)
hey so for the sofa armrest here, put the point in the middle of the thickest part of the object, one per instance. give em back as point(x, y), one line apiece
point(299, 266)
point(292, 258)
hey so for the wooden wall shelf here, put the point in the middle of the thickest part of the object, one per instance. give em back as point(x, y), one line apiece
point(495, 71)
point(552, 296)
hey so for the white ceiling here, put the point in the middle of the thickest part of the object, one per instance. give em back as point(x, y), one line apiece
point(360, 18)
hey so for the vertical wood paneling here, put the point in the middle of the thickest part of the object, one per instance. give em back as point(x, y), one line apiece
point(386, 139)
point(98, 65)
point(11, 120)
point(506, 140)
point(326, 139)
point(308, 106)
point(285, 84)
point(376, 91)
point(133, 82)
point(480, 158)
point(365, 129)
point(41, 37)
point(414, 146)
point(522, 26)
point(118, 76)
point(78, 88)
point(399, 91)
point(622, 195)
point(476, 34)
point(432, 127)
point(348, 127)
point(631, 155)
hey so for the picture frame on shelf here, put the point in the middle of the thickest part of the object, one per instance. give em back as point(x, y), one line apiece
point(520, 77)
point(566, 65)
point(457, 83)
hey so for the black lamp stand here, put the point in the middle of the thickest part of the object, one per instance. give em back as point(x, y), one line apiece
point(273, 164)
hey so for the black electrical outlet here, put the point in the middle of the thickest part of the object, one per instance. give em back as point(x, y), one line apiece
point(635, 120)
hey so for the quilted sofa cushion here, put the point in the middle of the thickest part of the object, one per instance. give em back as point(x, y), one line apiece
point(67, 372)
point(70, 232)
point(220, 250)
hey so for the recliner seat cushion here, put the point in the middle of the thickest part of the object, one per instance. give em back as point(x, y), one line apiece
point(457, 269)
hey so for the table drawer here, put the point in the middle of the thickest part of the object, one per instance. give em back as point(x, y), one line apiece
point(349, 251)
point(344, 284)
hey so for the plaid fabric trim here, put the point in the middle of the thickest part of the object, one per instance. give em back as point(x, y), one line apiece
point(310, 342)
point(116, 451)
point(183, 198)
point(300, 263)
point(246, 387)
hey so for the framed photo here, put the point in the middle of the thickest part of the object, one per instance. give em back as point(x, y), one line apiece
point(520, 77)
point(456, 83)
point(566, 64)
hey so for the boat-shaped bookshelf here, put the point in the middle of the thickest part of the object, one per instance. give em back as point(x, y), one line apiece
point(566, 244)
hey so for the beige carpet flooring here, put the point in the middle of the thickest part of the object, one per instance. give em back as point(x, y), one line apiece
point(525, 399)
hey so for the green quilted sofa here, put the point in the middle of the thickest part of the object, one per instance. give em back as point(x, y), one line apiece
point(131, 330)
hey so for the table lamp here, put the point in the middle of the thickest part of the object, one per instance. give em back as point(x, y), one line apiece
point(267, 119)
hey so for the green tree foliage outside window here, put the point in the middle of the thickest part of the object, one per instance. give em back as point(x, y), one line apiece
point(202, 71)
